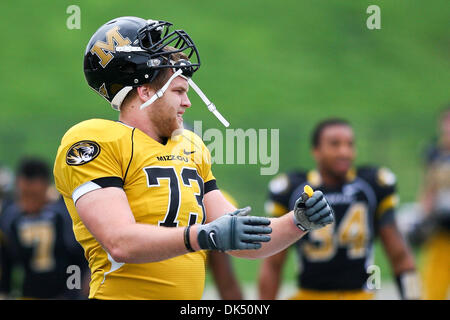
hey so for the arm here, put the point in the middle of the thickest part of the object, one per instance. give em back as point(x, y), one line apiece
point(107, 215)
point(7, 258)
point(284, 233)
point(284, 229)
point(5, 268)
point(427, 192)
point(396, 249)
point(270, 275)
point(224, 277)
point(401, 260)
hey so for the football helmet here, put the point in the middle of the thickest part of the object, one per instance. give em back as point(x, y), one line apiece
point(128, 52)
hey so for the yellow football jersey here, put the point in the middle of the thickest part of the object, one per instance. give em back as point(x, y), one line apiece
point(164, 185)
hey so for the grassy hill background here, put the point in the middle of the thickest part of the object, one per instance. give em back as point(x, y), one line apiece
point(265, 64)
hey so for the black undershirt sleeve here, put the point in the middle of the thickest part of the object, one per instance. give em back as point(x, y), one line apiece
point(210, 186)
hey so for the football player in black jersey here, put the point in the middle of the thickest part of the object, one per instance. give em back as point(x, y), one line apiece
point(39, 239)
point(334, 261)
point(6, 178)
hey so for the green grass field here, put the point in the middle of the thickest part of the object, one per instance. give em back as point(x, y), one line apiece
point(265, 64)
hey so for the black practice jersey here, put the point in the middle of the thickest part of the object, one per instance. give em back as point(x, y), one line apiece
point(5, 266)
point(43, 244)
point(337, 256)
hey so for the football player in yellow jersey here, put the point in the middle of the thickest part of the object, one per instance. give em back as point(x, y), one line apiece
point(140, 191)
point(435, 228)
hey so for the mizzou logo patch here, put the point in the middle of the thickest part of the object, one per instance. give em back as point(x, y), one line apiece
point(82, 152)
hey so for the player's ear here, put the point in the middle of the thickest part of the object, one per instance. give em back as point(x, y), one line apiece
point(144, 92)
point(315, 153)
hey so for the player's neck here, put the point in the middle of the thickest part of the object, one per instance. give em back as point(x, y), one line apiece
point(329, 179)
point(31, 206)
point(151, 132)
point(445, 144)
point(142, 124)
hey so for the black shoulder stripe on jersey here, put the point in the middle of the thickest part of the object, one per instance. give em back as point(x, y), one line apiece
point(106, 182)
point(388, 218)
point(132, 152)
point(210, 186)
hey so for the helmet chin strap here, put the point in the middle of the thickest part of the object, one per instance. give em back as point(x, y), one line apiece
point(209, 104)
point(161, 91)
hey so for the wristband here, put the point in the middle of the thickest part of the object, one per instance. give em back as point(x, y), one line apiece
point(408, 284)
point(187, 241)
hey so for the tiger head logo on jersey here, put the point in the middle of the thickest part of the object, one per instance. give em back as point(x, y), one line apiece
point(82, 152)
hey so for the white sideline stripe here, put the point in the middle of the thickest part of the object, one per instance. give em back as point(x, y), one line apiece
point(83, 189)
point(161, 91)
point(209, 104)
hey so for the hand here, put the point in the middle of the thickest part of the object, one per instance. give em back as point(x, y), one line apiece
point(234, 231)
point(313, 212)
